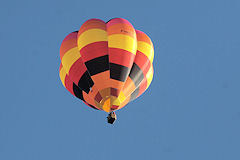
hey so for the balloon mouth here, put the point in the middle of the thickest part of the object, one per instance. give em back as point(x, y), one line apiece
point(109, 103)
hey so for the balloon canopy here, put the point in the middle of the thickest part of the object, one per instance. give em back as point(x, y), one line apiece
point(106, 64)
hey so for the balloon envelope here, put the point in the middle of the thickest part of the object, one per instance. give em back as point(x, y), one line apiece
point(106, 65)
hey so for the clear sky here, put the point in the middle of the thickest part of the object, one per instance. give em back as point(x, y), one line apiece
point(191, 111)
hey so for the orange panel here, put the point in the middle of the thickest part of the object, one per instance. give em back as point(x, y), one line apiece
point(129, 87)
point(121, 28)
point(102, 80)
point(91, 24)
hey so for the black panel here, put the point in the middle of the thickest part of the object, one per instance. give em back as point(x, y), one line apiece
point(97, 65)
point(136, 74)
point(134, 94)
point(119, 72)
point(77, 92)
point(85, 82)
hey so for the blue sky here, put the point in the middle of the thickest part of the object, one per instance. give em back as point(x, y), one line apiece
point(190, 112)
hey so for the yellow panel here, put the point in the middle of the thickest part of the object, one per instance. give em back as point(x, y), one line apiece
point(91, 36)
point(115, 101)
point(121, 97)
point(123, 42)
point(69, 58)
point(146, 49)
point(149, 76)
point(124, 103)
point(62, 75)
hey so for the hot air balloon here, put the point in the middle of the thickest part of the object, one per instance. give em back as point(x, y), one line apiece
point(106, 64)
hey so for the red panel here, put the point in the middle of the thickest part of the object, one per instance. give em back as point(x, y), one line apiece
point(114, 107)
point(114, 92)
point(121, 57)
point(72, 35)
point(76, 71)
point(94, 50)
point(69, 84)
point(98, 97)
point(143, 62)
point(143, 86)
